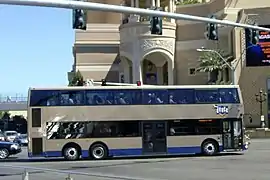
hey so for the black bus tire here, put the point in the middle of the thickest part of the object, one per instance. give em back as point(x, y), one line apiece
point(71, 153)
point(209, 148)
point(98, 151)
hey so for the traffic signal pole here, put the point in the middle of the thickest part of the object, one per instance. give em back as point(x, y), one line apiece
point(121, 9)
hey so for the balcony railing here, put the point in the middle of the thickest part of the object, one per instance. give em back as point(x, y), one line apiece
point(13, 99)
point(187, 2)
point(140, 18)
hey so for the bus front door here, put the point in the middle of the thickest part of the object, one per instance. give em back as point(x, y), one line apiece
point(154, 137)
point(232, 134)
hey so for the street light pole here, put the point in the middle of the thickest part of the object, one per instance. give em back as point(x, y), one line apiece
point(223, 59)
point(261, 98)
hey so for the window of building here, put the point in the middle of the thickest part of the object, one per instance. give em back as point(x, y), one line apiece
point(192, 71)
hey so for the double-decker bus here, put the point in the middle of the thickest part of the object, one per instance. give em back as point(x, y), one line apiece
point(103, 121)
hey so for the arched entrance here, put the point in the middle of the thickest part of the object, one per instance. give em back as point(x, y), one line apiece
point(156, 69)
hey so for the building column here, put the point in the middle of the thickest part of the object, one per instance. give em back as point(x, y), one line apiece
point(136, 63)
point(160, 80)
point(125, 70)
point(132, 4)
point(170, 72)
point(158, 3)
point(126, 74)
point(137, 3)
point(153, 2)
point(137, 71)
point(170, 5)
point(171, 8)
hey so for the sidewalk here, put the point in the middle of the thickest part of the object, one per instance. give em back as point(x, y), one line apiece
point(259, 133)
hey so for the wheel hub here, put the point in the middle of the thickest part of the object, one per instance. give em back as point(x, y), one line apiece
point(98, 152)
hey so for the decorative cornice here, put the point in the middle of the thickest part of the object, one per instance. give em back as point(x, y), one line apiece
point(148, 45)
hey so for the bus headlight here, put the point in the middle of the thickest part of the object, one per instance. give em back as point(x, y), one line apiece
point(246, 145)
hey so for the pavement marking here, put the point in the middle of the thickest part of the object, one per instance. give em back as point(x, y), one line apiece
point(102, 162)
point(92, 174)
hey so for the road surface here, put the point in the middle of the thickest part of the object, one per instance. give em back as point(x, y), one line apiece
point(252, 165)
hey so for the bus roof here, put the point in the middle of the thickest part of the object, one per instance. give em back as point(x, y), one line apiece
point(135, 87)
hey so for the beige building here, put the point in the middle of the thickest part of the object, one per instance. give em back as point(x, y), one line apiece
point(120, 47)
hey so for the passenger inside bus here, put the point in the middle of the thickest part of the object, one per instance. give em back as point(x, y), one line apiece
point(121, 99)
point(154, 99)
point(227, 96)
point(171, 99)
point(98, 100)
point(110, 99)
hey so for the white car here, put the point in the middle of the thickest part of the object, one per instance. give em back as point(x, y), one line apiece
point(2, 137)
point(10, 135)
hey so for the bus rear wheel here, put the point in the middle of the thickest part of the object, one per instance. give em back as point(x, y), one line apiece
point(71, 153)
point(98, 152)
point(210, 148)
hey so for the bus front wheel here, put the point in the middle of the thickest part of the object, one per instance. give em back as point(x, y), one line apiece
point(71, 153)
point(209, 148)
point(98, 151)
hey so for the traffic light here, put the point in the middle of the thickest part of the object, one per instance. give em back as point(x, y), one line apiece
point(79, 19)
point(254, 36)
point(212, 30)
point(156, 25)
point(103, 82)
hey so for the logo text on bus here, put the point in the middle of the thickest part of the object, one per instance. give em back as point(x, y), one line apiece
point(221, 110)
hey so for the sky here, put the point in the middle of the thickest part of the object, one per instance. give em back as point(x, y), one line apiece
point(36, 47)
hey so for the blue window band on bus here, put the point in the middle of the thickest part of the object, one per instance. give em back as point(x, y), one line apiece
point(133, 97)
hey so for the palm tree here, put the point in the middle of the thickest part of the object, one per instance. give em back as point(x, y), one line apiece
point(212, 63)
point(185, 2)
point(1, 114)
point(4, 115)
point(77, 79)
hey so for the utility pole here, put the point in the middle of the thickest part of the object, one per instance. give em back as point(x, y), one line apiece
point(261, 98)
